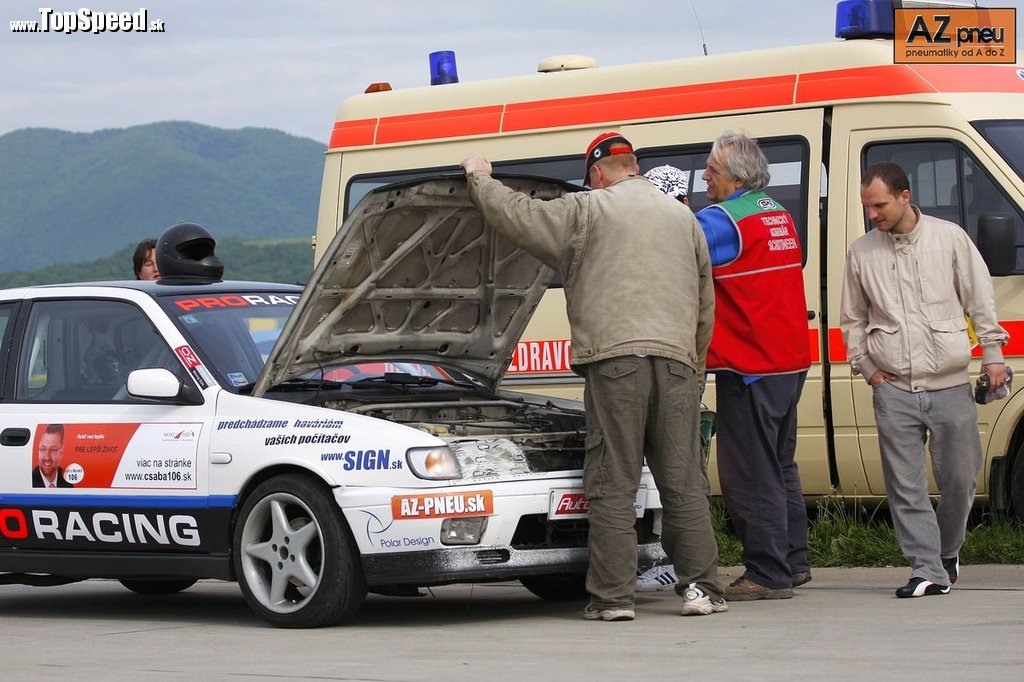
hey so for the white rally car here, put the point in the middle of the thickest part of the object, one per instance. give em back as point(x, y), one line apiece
point(313, 445)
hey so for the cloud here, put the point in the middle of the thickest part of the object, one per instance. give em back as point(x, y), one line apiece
point(288, 65)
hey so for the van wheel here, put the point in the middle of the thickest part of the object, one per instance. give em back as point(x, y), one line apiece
point(1017, 485)
point(295, 560)
point(151, 587)
point(557, 586)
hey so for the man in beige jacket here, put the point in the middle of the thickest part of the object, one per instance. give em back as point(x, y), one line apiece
point(907, 287)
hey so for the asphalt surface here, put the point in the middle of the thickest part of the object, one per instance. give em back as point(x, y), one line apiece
point(844, 625)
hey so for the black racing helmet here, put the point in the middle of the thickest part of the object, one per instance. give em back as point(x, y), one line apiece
point(185, 252)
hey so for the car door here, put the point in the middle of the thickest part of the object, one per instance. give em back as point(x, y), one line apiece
point(15, 437)
point(100, 470)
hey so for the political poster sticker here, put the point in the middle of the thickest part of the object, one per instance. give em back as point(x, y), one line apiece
point(160, 456)
point(155, 456)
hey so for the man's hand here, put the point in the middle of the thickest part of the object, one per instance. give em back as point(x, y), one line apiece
point(477, 163)
point(996, 374)
point(879, 378)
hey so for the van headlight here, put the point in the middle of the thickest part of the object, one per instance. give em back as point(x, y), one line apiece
point(433, 463)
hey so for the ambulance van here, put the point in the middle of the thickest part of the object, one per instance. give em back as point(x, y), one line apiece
point(822, 113)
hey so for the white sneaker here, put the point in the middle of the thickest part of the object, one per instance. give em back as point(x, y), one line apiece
point(613, 614)
point(656, 578)
point(696, 602)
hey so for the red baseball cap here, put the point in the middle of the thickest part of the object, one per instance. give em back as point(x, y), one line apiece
point(605, 144)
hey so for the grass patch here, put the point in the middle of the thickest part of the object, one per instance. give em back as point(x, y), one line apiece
point(994, 541)
point(729, 547)
point(848, 535)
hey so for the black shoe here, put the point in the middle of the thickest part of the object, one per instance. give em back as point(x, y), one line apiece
point(801, 578)
point(952, 567)
point(919, 587)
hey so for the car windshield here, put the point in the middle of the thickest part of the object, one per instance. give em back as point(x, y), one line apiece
point(232, 333)
point(397, 375)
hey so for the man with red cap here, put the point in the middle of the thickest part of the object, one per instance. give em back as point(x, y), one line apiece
point(640, 303)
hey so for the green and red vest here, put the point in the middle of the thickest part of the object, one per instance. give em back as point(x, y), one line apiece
point(760, 307)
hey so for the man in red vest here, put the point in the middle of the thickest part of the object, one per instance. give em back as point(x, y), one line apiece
point(760, 356)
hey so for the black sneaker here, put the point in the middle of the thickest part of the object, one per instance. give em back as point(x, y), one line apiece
point(952, 567)
point(919, 587)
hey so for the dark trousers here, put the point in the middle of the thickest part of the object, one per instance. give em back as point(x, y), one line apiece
point(759, 478)
point(639, 406)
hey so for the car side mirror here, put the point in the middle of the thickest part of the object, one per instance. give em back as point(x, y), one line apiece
point(997, 243)
point(160, 384)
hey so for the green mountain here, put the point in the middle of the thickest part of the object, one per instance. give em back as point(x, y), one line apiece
point(289, 261)
point(76, 197)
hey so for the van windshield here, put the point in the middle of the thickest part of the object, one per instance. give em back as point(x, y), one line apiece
point(1008, 139)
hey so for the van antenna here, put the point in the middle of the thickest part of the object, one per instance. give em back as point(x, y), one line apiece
point(700, 28)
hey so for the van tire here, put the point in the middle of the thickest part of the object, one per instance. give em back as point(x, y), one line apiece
point(1016, 487)
point(295, 559)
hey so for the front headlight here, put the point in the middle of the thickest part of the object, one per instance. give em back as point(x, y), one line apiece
point(436, 463)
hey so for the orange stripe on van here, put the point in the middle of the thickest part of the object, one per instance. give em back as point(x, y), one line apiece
point(813, 339)
point(1013, 348)
point(972, 77)
point(530, 356)
point(836, 347)
point(357, 133)
point(860, 83)
point(749, 93)
point(864, 82)
point(439, 124)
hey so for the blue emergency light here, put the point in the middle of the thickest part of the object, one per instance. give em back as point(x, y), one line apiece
point(865, 19)
point(442, 68)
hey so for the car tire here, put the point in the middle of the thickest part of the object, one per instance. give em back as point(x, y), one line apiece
point(154, 587)
point(557, 586)
point(294, 558)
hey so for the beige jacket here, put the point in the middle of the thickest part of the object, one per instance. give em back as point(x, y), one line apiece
point(633, 262)
point(904, 302)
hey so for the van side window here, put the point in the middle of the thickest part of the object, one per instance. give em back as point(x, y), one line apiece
point(947, 182)
point(787, 163)
point(567, 169)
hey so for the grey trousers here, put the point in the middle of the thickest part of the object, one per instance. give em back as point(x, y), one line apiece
point(637, 407)
point(948, 421)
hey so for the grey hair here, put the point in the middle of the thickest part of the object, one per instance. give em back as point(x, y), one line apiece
point(746, 162)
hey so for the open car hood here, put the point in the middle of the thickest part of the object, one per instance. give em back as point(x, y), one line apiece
point(414, 273)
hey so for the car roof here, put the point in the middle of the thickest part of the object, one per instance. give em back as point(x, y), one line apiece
point(159, 289)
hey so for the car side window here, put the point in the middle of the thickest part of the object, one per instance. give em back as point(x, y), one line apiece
point(82, 351)
point(6, 315)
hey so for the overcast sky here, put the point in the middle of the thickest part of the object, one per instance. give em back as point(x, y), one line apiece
point(287, 65)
